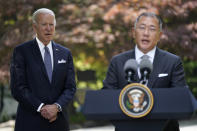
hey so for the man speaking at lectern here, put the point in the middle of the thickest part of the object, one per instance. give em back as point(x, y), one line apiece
point(167, 70)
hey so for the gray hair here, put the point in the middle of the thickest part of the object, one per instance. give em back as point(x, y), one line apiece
point(148, 14)
point(42, 11)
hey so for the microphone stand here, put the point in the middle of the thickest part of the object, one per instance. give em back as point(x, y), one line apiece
point(130, 77)
point(144, 81)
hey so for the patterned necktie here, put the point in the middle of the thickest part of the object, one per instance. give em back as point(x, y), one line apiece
point(47, 62)
point(145, 57)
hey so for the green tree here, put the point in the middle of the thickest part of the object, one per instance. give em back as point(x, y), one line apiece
point(96, 30)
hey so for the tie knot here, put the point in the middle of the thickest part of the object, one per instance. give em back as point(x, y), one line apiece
point(145, 57)
point(46, 49)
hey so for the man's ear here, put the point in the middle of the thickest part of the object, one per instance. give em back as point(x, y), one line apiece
point(34, 27)
point(160, 34)
point(133, 34)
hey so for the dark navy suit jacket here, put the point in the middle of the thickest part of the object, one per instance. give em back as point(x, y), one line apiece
point(30, 86)
point(163, 63)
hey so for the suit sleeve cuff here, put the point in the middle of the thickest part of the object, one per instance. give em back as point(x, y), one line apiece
point(59, 107)
point(39, 108)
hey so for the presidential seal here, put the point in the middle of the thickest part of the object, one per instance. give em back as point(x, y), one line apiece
point(136, 100)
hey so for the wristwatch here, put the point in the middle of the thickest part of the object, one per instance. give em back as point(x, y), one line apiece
point(58, 107)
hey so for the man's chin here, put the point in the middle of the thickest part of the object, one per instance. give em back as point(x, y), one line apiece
point(145, 46)
point(145, 49)
point(48, 39)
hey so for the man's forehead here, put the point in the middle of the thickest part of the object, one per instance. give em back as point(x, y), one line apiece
point(148, 20)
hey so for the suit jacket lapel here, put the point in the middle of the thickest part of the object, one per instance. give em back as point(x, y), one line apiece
point(133, 54)
point(38, 57)
point(55, 60)
point(156, 67)
point(133, 57)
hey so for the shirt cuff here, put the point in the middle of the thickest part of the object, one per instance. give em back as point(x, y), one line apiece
point(39, 108)
point(59, 107)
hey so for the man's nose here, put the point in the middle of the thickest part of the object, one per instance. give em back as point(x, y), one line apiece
point(146, 31)
point(48, 27)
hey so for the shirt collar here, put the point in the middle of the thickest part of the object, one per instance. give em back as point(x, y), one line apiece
point(139, 53)
point(41, 45)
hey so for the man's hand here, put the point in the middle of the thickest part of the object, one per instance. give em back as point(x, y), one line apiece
point(53, 119)
point(49, 112)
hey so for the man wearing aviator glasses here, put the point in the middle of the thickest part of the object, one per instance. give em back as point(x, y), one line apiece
point(167, 71)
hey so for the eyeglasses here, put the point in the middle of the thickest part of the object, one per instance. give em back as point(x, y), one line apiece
point(151, 29)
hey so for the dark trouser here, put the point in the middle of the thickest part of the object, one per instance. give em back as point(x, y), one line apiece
point(171, 125)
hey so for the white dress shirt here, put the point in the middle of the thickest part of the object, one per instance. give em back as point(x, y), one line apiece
point(42, 50)
point(139, 54)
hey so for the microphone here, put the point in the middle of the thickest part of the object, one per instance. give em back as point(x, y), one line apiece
point(130, 69)
point(146, 68)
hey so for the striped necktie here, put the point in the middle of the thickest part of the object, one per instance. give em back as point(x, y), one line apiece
point(48, 63)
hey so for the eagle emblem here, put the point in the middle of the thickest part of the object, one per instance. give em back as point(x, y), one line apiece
point(136, 100)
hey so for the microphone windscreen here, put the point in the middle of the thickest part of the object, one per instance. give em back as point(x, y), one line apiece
point(131, 64)
point(146, 64)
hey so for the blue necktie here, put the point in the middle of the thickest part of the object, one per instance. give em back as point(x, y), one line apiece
point(47, 62)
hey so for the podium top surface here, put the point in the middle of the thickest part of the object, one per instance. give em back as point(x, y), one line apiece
point(169, 103)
